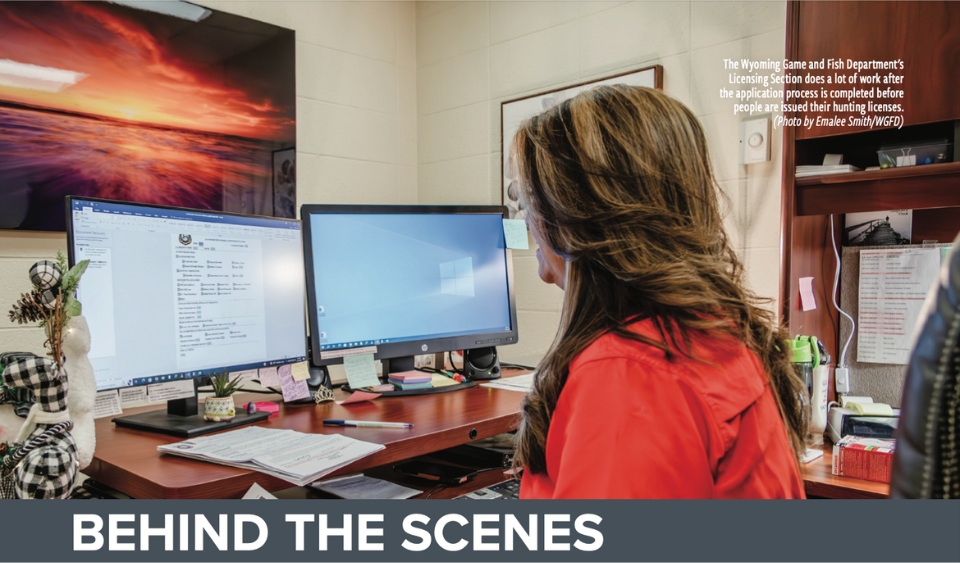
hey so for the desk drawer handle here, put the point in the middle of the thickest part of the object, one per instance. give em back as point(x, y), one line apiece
point(473, 433)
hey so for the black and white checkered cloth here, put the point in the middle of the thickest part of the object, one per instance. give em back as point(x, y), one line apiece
point(45, 274)
point(45, 463)
point(40, 375)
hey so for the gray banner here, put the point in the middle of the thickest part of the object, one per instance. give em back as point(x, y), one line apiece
point(238, 531)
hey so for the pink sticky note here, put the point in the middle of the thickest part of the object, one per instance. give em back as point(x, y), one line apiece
point(292, 389)
point(807, 301)
point(357, 397)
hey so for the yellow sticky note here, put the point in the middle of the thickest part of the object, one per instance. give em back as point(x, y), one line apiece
point(441, 381)
point(300, 371)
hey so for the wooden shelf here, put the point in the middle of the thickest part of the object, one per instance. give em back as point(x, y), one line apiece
point(915, 187)
point(887, 174)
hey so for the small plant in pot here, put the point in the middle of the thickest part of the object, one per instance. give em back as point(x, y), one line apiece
point(220, 406)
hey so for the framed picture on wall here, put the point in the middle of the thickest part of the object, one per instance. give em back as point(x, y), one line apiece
point(285, 183)
point(164, 103)
point(514, 112)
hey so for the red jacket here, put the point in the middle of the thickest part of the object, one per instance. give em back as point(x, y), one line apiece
point(630, 424)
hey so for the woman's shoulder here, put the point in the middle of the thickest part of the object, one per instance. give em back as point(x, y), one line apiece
point(725, 373)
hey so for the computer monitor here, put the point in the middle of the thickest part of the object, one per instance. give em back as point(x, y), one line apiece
point(175, 294)
point(406, 280)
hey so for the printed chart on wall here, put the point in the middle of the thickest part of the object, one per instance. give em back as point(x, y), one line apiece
point(893, 286)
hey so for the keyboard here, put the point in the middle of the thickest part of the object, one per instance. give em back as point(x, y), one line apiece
point(508, 490)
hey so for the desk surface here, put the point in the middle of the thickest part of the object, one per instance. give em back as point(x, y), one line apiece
point(128, 459)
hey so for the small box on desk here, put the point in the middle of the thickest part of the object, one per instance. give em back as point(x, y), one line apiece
point(864, 458)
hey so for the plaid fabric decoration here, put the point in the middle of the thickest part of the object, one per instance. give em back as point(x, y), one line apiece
point(45, 274)
point(82, 493)
point(48, 472)
point(40, 375)
point(44, 467)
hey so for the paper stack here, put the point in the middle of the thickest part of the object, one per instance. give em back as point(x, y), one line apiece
point(285, 454)
point(818, 170)
point(411, 380)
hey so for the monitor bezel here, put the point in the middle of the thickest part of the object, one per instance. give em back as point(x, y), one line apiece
point(411, 347)
point(71, 261)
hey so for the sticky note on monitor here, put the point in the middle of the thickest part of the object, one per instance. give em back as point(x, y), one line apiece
point(300, 371)
point(269, 377)
point(515, 232)
point(292, 390)
point(361, 371)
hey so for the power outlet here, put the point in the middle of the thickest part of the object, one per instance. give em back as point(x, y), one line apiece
point(842, 380)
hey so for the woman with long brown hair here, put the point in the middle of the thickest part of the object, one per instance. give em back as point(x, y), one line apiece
point(666, 377)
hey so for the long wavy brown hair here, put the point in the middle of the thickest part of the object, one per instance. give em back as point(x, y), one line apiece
point(618, 182)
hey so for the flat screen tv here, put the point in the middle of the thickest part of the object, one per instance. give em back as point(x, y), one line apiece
point(166, 103)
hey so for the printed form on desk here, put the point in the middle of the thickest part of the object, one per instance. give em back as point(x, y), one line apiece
point(894, 283)
point(522, 383)
point(293, 456)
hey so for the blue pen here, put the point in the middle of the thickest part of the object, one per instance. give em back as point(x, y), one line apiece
point(365, 424)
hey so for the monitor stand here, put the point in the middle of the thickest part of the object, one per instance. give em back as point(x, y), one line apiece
point(184, 419)
point(398, 365)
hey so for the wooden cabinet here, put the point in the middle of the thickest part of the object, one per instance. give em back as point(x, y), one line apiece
point(926, 36)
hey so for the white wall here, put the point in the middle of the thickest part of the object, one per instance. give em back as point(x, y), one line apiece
point(356, 122)
point(471, 56)
point(400, 103)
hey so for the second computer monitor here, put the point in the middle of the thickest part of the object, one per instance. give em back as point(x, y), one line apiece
point(407, 280)
point(174, 293)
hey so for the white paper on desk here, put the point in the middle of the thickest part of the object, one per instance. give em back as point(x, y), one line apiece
point(316, 459)
point(107, 403)
point(363, 487)
point(893, 286)
point(522, 383)
point(292, 456)
point(257, 492)
point(810, 455)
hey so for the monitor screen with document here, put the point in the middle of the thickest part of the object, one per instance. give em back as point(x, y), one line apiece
point(407, 280)
point(174, 293)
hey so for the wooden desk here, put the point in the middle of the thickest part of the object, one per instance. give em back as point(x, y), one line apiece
point(128, 461)
point(819, 480)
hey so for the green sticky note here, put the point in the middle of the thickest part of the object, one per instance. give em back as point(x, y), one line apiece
point(944, 251)
point(515, 232)
point(361, 371)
